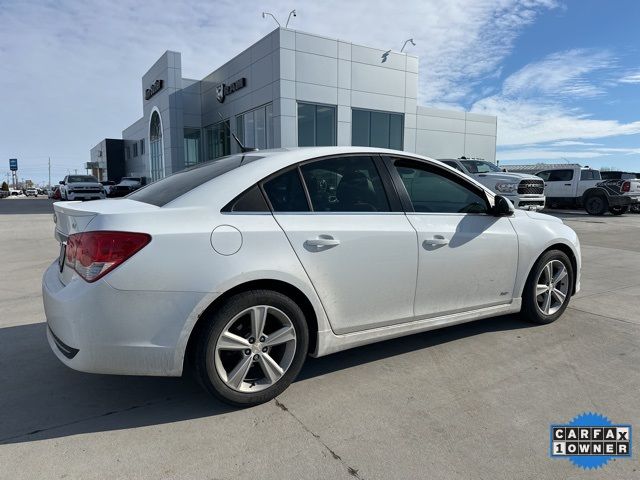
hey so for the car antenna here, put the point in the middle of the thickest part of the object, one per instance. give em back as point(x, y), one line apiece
point(243, 149)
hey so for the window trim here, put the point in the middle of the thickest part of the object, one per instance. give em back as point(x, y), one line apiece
point(453, 175)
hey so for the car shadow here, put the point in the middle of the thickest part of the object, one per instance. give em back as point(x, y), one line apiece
point(42, 399)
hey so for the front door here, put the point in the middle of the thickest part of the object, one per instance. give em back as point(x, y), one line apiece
point(360, 256)
point(467, 257)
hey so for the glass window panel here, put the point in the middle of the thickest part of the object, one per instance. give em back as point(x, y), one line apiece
point(285, 192)
point(396, 131)
point(306, 125)
point(269, 114)
point(347, 184)
point(240, 127)
point(325, 125)
point(191, 146)
point(360, 124)
point(249, 130)
point(261, 133)
point(380, 129)
point(430, 191)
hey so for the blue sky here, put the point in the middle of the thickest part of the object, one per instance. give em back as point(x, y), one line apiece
point(563, 76)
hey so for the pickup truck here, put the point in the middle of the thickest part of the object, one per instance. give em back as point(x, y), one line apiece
point(525, 191)
point(81, 187)
point(31, 192)
point(574, 186)
point(633, 189)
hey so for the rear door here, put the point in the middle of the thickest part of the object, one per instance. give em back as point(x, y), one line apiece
point(467, 257)
point(353, 240)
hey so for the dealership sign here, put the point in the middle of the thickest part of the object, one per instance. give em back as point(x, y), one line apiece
point(13, 164)
point(223, 89)
point(153, 89)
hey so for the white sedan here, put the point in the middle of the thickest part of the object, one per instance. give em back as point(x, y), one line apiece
point(243, 266)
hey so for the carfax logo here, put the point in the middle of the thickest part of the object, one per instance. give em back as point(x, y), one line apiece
point(590, 440)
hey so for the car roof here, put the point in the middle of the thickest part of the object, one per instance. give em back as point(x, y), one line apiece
point(262, 163)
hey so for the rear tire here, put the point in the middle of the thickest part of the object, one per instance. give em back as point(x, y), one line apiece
point(251, 348)
point(548, 291)
point(618, 210)
point(596, 205)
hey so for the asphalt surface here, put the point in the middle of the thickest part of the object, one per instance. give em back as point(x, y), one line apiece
point(469, 401)
point(25, 206)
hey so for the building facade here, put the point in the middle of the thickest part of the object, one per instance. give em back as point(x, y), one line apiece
point(294, 89)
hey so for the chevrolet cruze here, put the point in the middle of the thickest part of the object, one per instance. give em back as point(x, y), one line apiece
point(243, 266)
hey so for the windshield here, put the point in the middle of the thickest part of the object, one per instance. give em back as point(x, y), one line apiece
point(479, 166)
point(82, 178)
point(169, 188)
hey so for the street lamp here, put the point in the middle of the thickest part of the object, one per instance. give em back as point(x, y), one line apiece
point(405, 44)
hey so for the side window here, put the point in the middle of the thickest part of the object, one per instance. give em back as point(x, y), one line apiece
point(285, 192)
point(544, 175)
point(431, 191)
point(560, 175)
point(250, 201)
point(590, 175)
point(345, 184)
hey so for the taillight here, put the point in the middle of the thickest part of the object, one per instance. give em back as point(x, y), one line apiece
point(93, 254)
point(626, 186)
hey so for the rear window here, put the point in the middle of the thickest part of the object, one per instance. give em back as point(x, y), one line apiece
point(169, 188)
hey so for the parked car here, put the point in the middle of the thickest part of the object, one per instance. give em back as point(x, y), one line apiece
point(525, 191)
point(4, 193)
point(572, 186)
point(81, 187)
point(15, 193)
point(242, 269)
point(31, 192)
point(107, 184)
point(126, 186)
point(53, 191)
point(630, 188)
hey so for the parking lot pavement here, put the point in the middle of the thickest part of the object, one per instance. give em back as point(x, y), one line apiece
point(469, 401)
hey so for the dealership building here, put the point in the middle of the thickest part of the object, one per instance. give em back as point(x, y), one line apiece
point(289, 89)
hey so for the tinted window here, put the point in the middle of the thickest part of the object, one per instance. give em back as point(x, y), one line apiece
point(556, 175)
point(81, 178)
point(431, 191)
point(590, 175)
point(376, 129)
point(285, 192)
point(250, 201)
point(479, 166)
point(169, 188)
point(347, 184)
point(316, 125)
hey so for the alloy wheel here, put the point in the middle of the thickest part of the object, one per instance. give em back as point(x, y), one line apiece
point(552, 287)
point(255, 349)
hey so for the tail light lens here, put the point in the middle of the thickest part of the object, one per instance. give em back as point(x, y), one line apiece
point(626, 186)
point(94, 254)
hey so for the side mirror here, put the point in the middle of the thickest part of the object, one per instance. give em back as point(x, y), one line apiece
point(61, 182)
point(502, 207)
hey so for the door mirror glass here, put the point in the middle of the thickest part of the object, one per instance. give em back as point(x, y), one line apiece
point(502, 207)
point(61, 182)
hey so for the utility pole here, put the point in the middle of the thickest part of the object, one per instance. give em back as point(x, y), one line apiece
point(76, 171)
point(49, 173)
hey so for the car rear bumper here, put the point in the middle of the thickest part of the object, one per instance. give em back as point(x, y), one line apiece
point(619, 200)
point(95, 328)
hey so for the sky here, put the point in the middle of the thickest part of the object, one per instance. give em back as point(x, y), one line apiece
point(562, 76)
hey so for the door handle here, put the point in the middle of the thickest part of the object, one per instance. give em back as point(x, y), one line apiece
point(567, 184)
point(437, 240)
point(322, 241)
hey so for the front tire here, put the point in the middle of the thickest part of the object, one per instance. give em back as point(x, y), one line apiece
point(548, 288)
point(251, 348)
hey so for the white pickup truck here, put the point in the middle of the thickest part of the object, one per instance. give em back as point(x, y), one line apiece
point(525, 191)
point(571, 185)
point(81, 187)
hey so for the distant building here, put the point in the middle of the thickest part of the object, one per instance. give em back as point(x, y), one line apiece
point(292, 89)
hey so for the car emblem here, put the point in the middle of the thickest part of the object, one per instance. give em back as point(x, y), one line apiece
point(74, 225)
point(220, 92)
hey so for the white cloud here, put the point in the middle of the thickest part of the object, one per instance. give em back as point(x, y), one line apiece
point(543, 154)
point(631, 78)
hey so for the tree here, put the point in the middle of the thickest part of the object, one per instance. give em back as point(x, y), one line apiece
point(4, 187)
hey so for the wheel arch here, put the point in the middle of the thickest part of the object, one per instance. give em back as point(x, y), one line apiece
point(567, 250)
point(263, 284)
